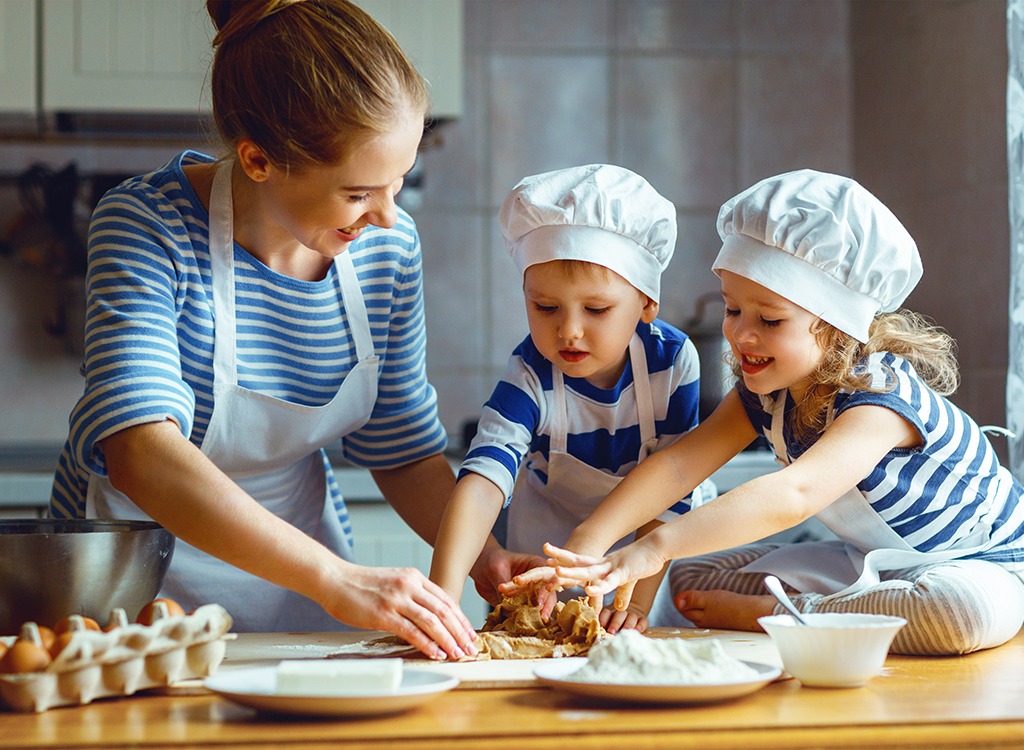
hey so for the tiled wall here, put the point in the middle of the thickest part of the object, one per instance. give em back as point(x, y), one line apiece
point(930, 140)
point(703, 97)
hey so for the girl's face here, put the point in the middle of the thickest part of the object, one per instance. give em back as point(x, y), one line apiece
point(771, 337)
point(582, 321)
point(325, 208)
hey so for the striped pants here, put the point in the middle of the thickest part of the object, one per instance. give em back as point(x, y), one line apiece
point(954, 607)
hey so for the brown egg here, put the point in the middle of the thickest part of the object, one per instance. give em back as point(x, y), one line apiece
point(60, 642)
point(158, 609)
point(27, 653)
point(47, 637)
point(75, 622)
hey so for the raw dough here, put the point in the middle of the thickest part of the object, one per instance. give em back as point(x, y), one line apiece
point(515, 630)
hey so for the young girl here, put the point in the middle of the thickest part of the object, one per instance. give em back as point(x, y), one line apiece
point(851, 396)
point(244, 313)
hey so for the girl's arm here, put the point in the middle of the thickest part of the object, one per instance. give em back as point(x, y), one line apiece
point(660, 480)
point(654, 485)
point(174, 483)
point(846, 453)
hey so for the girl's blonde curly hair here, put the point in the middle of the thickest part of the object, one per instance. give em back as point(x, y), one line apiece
point(906, 334)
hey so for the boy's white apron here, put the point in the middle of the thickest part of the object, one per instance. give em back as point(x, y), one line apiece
point(867, 545)
point(269, 447)
point(549, 512)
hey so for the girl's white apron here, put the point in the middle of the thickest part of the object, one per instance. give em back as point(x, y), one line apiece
point(269, 447)
point(548, 513)
point(867, 545)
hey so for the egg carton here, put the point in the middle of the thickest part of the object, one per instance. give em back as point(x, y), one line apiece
point(118, 663)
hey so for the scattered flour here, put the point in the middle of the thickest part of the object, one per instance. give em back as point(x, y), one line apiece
point(634, 659)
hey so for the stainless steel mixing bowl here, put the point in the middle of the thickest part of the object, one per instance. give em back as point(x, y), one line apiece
point(50, 569)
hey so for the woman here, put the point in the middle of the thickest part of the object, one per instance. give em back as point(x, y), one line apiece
point(245, 313)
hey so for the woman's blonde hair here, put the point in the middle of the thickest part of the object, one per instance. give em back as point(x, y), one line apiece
point(907, 334)
point(305, 78)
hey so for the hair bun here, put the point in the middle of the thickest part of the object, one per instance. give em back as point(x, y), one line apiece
point(234, 19)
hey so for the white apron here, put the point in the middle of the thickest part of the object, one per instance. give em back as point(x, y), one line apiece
point(548, 513)
point(866, 544)
point(269, 447)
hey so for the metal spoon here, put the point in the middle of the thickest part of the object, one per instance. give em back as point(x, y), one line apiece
point(774, 585)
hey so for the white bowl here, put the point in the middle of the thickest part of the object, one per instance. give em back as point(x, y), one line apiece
point(836, 649)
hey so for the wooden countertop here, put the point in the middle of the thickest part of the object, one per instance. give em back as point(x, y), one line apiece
point(975, 701)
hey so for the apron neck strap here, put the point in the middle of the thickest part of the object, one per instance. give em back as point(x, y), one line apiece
point(641, 392)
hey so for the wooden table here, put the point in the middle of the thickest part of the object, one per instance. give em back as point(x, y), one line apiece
point(974, 701)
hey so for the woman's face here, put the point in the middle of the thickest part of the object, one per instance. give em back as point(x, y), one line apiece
point(325, 208)
point(771, 338)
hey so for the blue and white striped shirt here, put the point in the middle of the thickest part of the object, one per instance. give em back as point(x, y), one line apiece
point(937, 495)
point(149, 333)
point(602, 429)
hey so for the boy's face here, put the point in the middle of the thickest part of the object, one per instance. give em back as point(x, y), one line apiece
point(582, 317)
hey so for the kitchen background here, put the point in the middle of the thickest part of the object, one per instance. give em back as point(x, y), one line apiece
point(702, 97)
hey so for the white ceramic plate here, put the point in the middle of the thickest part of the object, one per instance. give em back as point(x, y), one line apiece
point(560, 677)
point(256, 688)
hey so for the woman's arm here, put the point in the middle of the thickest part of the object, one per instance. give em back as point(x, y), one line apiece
point(846, 453)
point(171, 480)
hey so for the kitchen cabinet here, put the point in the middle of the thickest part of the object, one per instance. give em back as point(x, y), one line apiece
point(18, 56)
point(125, 56)
point(153, 56)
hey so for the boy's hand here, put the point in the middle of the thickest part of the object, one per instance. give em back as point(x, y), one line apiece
point(631, 618)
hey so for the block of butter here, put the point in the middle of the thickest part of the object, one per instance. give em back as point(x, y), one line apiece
point(324, 677)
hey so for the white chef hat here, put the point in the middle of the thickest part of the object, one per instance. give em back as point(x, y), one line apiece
point(823, 242)
point(598, 213)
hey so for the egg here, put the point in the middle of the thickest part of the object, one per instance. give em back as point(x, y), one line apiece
point(159, 609)
point(75, 622)
point(27, 653)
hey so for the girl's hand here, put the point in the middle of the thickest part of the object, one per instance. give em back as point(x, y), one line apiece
point(405, 602)
point(542, 582)
point(618, 571)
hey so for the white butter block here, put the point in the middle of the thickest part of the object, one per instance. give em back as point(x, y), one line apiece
point(322, 677)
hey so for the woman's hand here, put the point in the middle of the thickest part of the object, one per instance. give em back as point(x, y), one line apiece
point(405, 602)
point(617, 572)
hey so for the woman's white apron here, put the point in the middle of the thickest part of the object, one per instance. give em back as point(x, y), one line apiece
point(866, 546)
point(269, 447)
point(549, 512)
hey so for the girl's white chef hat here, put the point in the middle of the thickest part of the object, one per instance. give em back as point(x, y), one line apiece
point(824, 243)
point(598, 213)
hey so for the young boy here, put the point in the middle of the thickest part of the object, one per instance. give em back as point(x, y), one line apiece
point(597, 386)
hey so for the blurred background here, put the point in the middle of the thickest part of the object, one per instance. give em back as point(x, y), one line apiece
point(702, 97)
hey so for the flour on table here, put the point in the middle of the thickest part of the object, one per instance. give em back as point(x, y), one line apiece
point(634, 659)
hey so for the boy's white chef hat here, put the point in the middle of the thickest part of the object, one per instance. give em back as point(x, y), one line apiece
point(598, 213)
point(823, 242)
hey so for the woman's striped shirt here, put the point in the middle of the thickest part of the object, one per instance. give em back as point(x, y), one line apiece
point(149, 333)
point(936, 496)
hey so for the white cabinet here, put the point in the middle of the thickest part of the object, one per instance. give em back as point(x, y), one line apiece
point(125, 56)
point(153, 56)
point(18, 56)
